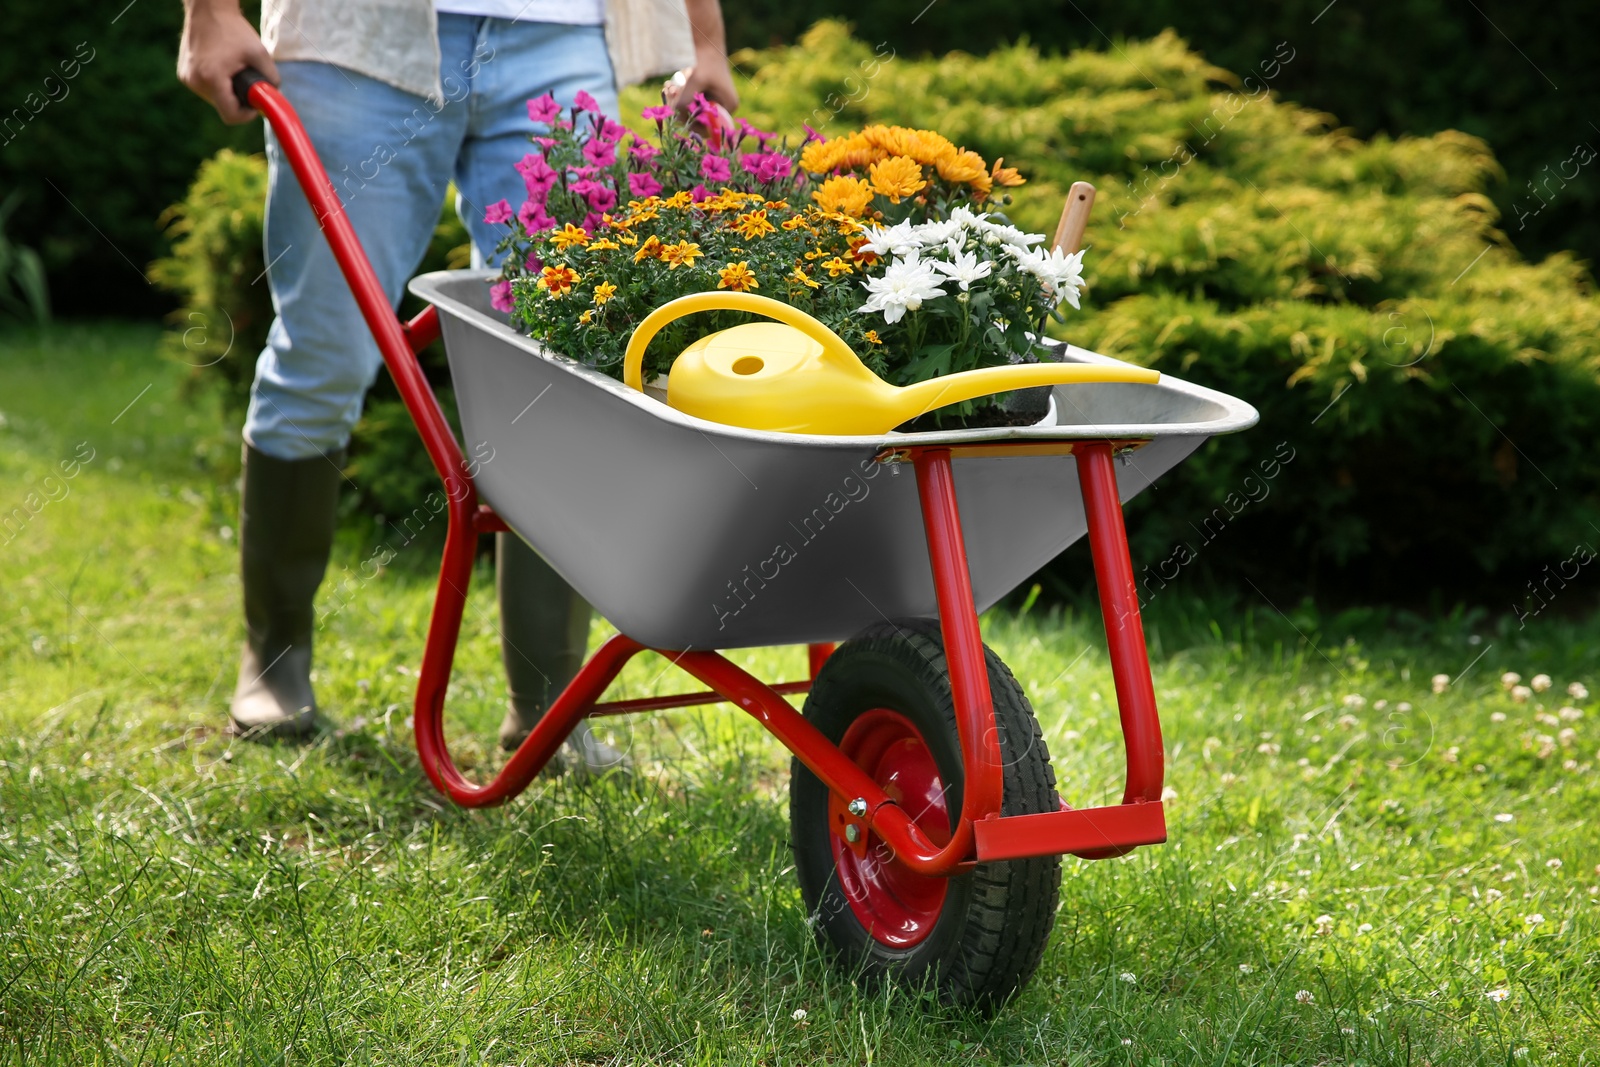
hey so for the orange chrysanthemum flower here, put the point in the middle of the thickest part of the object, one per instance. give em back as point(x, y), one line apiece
point(847, 196)
point(1005, 175)
point(963, 166)
point(651, 249)
point(898, 177)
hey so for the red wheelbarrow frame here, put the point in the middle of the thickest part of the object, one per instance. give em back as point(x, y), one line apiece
point(982, 834)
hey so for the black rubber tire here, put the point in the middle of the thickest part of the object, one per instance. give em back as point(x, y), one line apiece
point(996, 918)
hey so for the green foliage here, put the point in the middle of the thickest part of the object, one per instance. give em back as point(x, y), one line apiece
point(1515, 74)
point(217, 272)
point(1440, 395)
point(24, 292)
point(173, 894)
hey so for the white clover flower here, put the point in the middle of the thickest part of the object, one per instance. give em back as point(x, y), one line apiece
point(1540, 683)
point(964, 268)
point(1324, 925)
point(1129, 977)
point(1553, 864)
point(898, 240)
point(1509, 679)
point(1497, 716)
point(1493, 895)
point(1364, 928)
point(903, 287)
point(798, 1015)
point(1570, 714)
point(1520, 694)
point(1354, 700)
point(1245, 968)
point(1578, 691)
point(1441, 682)
point(1534, 919)
point(1504, 816)
point(1497, 995)
point(1304, 997)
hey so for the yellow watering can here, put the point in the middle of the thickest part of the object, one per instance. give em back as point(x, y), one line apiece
point(795, 375)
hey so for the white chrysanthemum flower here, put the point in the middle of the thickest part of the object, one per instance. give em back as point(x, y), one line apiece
point(902, 288)
point(964, 268)
point(967, 218)
point(938, 233)
point(1059, 273)
point(1009, 235)
point(898, 240)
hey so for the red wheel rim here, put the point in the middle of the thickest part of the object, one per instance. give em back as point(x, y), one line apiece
point(896, 906)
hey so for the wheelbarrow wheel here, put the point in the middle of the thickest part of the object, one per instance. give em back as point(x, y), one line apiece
point(975, 938)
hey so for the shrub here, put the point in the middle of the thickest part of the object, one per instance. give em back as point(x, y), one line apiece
point(216, 272)
point(1440, 396)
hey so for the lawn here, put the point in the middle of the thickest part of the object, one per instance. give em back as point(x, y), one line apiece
point(1364, 866)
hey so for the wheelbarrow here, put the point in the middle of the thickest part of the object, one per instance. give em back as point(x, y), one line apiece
point(925, 823)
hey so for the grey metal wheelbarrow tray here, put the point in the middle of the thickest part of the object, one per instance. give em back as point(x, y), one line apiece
point(685, 533)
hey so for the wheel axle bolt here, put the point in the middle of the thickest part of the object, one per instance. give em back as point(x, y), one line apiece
point(858, 807)
point(852, 833)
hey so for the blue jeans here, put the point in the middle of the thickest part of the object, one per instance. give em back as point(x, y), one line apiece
point(391, 156)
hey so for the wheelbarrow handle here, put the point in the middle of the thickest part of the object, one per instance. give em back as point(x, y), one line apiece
point(244, 80)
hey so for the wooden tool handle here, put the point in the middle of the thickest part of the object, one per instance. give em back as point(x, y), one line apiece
point(1074, 217)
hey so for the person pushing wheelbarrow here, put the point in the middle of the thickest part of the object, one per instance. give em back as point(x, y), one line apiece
point(400, 99)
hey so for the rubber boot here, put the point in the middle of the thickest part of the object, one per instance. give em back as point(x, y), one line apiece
point(544, 636)
point(286, 519)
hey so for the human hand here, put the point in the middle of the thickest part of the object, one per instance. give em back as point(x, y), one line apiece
point(217, 43)
point(709, 75)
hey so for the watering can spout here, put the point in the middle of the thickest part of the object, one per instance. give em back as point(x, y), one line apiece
point(795, 375)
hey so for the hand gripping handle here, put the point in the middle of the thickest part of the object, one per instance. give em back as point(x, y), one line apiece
point(244, 81)
point(644, 333)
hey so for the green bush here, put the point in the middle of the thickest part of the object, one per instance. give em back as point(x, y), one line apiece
point(1440, 396)
point(216, 271)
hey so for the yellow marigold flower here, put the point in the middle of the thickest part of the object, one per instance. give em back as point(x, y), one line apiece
point(651, 249)
point(897, 177)
point(679, 199)
point(628, 239)
point(1005, 175)
point(587, 316)
point(795, 223)
point(776, 205)
point(568, 236)
point(873, 338)
point(962, 166)
point(737, 277)
point(558, 280)
point(603, 292)
point(798, 276)
point(603, 244)
point(837, 266)
point(844, 223)
point(613, 222)
point(682, 254)
point(752, 224)
point(819, 157)
point(649, 203)
point(844, 195)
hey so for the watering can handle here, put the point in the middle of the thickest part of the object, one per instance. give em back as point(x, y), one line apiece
point(644, 333)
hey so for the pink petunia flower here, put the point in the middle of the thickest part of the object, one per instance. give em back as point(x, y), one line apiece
point(500, 296)
point(701, 109)
point(600, 153)
point(534, 218)
point(812, 135)
point(544, 142)
point(699, 193)
point(601, 197)
point(643, 151)
point(533, 264)
point(584, 102)
point(610, 131)
point(714, 168)
point(498, 212)
point(592, 222)
point(659, 113)
point(766, 166)
point(544, 109)
point(642, 185)
point(537, 174)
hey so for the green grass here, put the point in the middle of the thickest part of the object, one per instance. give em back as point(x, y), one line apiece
point(166, 894)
